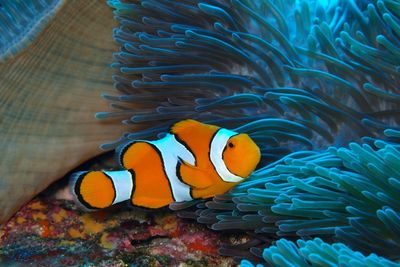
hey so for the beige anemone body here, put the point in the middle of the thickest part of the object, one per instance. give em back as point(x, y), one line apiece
point(49, 94)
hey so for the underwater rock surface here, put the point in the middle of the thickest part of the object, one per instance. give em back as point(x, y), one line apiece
point(53, 233)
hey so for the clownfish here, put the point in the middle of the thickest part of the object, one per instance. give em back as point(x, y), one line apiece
point(193, 161)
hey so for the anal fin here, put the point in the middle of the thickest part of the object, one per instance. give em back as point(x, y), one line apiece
point(149, 202)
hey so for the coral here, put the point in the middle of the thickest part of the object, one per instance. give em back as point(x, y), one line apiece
point(317, 253)
point(297, 74)
point(46, 232)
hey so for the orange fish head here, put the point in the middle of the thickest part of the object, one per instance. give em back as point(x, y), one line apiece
point(241, 155)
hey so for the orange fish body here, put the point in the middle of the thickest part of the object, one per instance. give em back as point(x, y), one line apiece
point(193, 161)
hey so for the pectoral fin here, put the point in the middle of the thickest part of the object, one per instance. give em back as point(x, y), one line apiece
point(193, 176)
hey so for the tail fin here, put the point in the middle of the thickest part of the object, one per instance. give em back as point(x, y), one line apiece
point(101, 189)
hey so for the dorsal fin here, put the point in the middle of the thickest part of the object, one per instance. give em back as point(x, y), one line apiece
point(185, 126)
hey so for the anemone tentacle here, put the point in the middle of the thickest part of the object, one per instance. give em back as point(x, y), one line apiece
point(343, 194)
point(295, 75)
point(21, 22)
point(226, 60)
point(316, 253)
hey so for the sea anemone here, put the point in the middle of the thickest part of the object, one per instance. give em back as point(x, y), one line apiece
point(317, 253)
point(294, 74)
point(298, 76)
point(346, 194)
point(21, 22)
point(49, 91)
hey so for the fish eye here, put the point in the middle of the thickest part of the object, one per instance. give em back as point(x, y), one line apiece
point(230, 144)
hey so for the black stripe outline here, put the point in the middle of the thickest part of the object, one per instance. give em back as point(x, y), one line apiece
point(77, 191)
point(178, 174)
point(121, 150)
point(115, 189)
point(182, 142)
point(133, 176)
